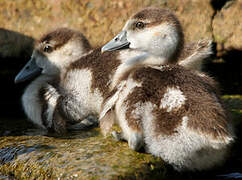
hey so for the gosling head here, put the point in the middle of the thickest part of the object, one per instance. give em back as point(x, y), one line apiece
point(53, 52)
point(152, 30)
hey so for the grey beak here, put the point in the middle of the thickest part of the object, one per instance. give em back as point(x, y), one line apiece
point(118, 42)
point(29, 71)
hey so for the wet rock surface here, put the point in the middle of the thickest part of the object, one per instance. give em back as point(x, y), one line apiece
point(84, 155)
point(29, 153)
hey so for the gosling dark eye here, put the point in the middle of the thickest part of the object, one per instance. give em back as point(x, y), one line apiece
point(47, 48)
point(140, 25)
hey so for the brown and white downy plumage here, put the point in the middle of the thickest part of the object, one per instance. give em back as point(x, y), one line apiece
point(194, 54)
point(73, 79)
point(52, 54)
point(176, 113)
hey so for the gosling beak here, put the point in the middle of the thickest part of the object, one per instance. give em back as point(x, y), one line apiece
point(118, 42)
point(29, 71)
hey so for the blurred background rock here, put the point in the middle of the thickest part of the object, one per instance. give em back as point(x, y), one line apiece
point(25, 154)
point(22, 21)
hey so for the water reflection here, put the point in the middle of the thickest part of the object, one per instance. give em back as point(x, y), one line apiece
point(235, 175)
point(8, 154)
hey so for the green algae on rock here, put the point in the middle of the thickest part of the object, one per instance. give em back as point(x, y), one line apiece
point(85, 155)
point(234, 104)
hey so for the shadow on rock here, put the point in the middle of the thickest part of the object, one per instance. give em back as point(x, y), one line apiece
point(218, 4)
point(15, 51)
point(14, 44)
point(23, 127)
point(82, 134)
point(227, 71)
point(17, 127)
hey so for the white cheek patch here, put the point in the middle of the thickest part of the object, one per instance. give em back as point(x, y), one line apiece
point(161, 40)
point(172, 99)
point(140, 40)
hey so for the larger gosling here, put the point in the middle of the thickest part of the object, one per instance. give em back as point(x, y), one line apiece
point(175, 113)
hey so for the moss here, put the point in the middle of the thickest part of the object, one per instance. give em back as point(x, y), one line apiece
point(89, 157)
point(234, 104)
point(219, 39)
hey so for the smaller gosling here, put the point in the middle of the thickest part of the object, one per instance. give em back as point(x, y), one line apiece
point(44, 102)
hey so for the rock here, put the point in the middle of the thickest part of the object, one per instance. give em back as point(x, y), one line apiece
point(227, 26)
point(99, 20)
point(14, 44)
point(234, 103)
point(84, 155)
point(15, 51)
point(195, 17)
